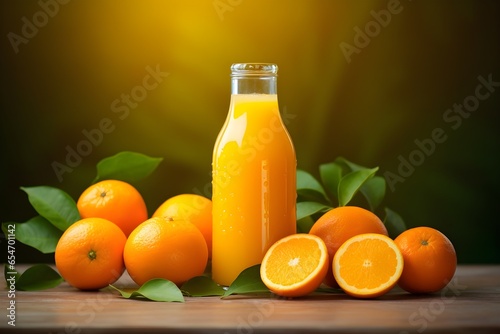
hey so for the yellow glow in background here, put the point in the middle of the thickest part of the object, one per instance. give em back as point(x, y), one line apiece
point(419, 62)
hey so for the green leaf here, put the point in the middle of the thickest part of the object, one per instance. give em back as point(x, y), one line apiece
point(351, 166)
point(350, 184)
point(330, 174)
point(305, 209)
point(53, 204)
point(126, 166)
point(247, 282)
point(38, 233)
point(38, 277)
point(157, 289)
point(309, 187)
point(374, 191)
point(394, 223)
point(201, 286)
point(304, 225)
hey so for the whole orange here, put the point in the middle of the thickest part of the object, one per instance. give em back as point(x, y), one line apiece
point(171, 249)
point(116, 201)
point(340, 224)
point(89, 254)
point(429, 257)
point(193, 208)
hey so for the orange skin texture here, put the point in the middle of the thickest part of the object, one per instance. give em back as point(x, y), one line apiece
point(193, 208)
point(116, 201)
point(89, 254)
point(159, 248)
point(338, 225)
point(430, 260)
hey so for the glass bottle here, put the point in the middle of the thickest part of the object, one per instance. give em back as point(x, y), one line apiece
point(253, 174)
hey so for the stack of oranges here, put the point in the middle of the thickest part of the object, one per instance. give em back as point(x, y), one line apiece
point(115, 234)
point(360, 258)
point(347, 247)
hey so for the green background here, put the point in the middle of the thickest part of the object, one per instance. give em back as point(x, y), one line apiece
point(369, 107)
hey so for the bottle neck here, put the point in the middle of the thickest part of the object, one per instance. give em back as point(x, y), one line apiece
point(254, 85)
point(254, 78)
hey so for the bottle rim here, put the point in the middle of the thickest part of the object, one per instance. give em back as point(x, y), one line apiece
point(254, 69)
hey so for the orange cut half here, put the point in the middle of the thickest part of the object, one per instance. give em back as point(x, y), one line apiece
point(367, 265)
point(295, 265)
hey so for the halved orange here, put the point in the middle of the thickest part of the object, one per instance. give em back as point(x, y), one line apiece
point(367, 265)
point(295, 265)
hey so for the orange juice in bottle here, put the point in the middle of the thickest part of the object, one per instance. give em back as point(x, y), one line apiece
point(254, 174)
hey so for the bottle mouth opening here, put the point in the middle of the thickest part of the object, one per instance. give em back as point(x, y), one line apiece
point(254, 69)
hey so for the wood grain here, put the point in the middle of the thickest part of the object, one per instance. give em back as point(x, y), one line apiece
point(469, 304)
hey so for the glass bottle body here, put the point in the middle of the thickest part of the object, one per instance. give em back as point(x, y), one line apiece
point(254, 176)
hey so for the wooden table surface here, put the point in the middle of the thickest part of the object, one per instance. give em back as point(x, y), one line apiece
point(470, 304)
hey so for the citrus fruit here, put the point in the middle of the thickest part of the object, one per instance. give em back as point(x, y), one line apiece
point(89, 254)
point(116, 201)
point(171, 249)
point(193, 208)
point(367, 265)
point(340, 224)
point(295, 265)
point(430, 260)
